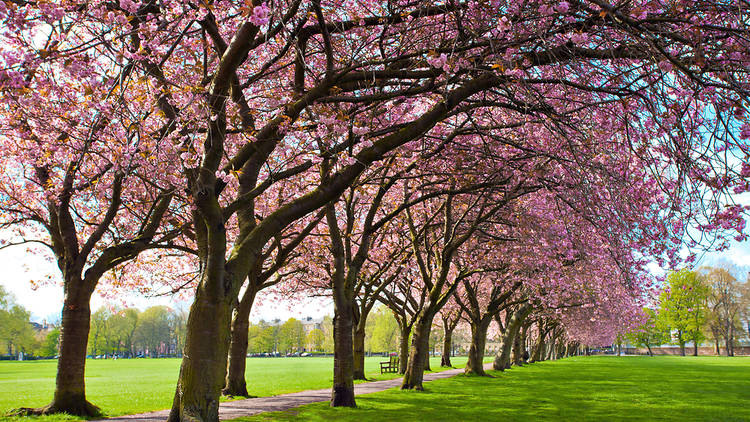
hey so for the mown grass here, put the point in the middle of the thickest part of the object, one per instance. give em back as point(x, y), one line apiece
point(127, 386)
point(574, 389)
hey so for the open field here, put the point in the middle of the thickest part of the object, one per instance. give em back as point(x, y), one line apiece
point(139, 385)
point(573, 389)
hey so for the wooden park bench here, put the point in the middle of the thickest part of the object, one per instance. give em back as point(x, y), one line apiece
point(390, 366)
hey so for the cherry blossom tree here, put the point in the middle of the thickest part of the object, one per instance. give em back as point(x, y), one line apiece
point(234, 91)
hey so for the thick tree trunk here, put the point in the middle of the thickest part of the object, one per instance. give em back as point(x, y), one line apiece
point(475, 364)
point(359, 351)
point(70, 387)
point(445, 359)
point(524, 343)
point(502, 358)
point(235, 384)
point(536, 354)
point(427, 354)
point(420, 343)
point(342, 393)
point(695, 348)
point(204, 360)
point(517, 353)
point(716, 344)
point(403, 352)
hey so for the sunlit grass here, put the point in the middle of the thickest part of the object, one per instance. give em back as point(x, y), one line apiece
point(573, 389)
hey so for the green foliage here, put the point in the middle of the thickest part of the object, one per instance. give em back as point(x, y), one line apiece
point(262, 338)
point(16, 333)
point(315, 340)
point(682, 306)
point(383, 331)
point(292, 336)
point(664, 388)
point(327, 327)
point(650, 333)
point(126, 332)
point(50, 346)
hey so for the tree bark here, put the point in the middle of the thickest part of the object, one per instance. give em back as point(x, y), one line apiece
point(235, 383)
point(420, 343)
point(517, 355)
point(204, 360)
point(536, 354)
point(475, 364)
point(342, 394)
point(403, 353)
point(681, 342)
point(359, 350)
point(445, 359)
point(70, 386)
point(695, 348)
point(502, 359)
point(427, 354)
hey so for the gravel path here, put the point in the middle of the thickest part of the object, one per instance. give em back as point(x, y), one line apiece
point(248, 407)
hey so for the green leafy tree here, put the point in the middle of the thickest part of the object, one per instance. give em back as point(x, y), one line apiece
point(682, 307)
point(16, 333)
point(384, 335)
point(292, 336)
point(100, 332)
point(123, 323)
point(50, 346)
point(315, 339)
point(152, 332)
point(327, 328)
point(652, 332)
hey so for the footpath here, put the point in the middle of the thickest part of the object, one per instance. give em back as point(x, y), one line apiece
point(248, 407)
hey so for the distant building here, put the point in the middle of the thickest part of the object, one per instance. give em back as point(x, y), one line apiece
point(311, 323)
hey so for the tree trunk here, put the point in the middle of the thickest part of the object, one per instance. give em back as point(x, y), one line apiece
point(420, 343)
point(70, 388)
point(716, 343)
point(536, 354)
point(682, 342)
point(445, 360)
point(204, 360)
point(359, 351)
point(403, 353)
point(650, 352)
point(342, 393)
point(427, 353)
point(695, 348)
point(475, 364)
point(235, 384)
point(502, 358)
point(728, 344)
point(517, 353)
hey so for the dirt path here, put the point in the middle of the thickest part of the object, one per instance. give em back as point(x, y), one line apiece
point(248, 407)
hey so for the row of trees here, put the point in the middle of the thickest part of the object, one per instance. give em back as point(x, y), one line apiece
point(17, 335)
point(510, 160)
point(153, 332)
point(708, 304)
point(381, 335)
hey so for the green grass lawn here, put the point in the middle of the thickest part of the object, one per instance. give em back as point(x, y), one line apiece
point(128, 386)
point(575, 389)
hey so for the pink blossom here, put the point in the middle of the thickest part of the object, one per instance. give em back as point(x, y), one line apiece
point(438, 61)
point(260, 15)
point(562, 7)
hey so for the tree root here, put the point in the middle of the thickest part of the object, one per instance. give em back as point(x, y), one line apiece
point(85, 410)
